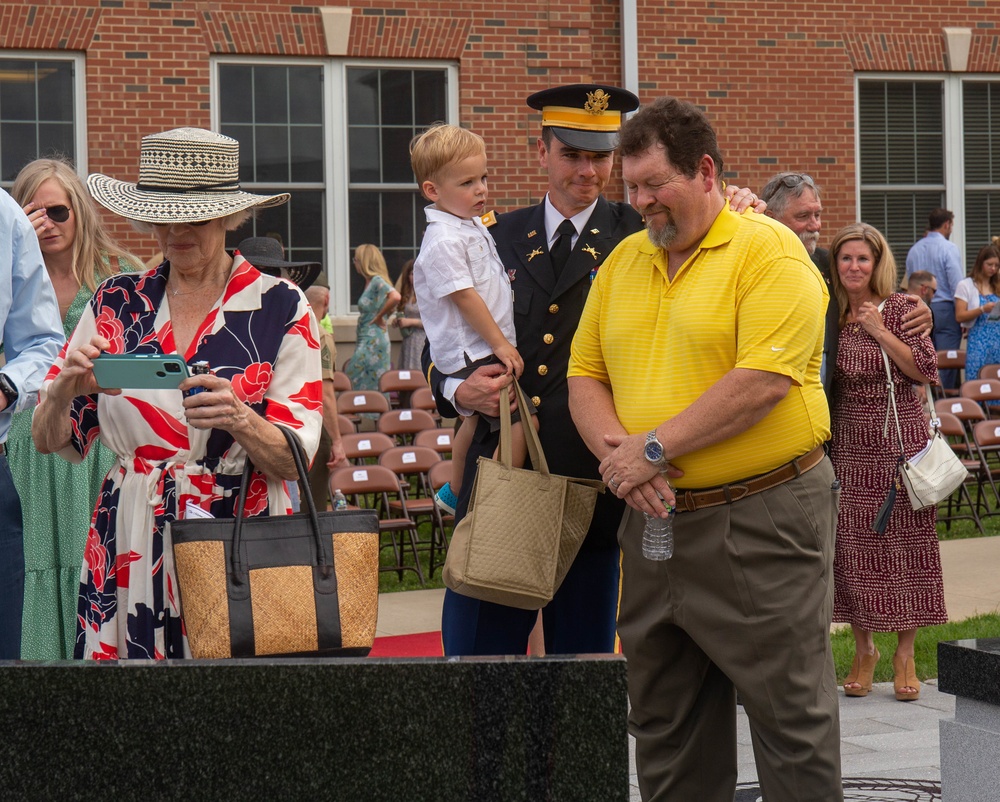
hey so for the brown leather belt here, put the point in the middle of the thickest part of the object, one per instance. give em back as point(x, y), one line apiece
point(691, 500)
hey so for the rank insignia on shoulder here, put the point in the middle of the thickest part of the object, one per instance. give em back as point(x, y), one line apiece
point(489, 219)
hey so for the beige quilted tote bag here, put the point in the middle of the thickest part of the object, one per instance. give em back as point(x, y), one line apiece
point(524, 527)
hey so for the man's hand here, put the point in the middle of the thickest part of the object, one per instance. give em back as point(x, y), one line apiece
point(741, 199)
point(481, 391)
point(918, 320)
point(630, 476)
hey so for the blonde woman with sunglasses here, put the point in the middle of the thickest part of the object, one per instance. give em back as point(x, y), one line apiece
point(58, 497)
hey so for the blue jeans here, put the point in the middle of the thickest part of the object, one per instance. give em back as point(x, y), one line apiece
point(11, 566)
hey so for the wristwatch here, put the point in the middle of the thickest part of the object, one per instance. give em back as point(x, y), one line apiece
point(9, 390)
point(654, 450)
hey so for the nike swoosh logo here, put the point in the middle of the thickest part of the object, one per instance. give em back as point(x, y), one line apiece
point(776, 349)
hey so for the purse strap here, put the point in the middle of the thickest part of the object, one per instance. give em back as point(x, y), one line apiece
point(325, 557)
point(535, 451)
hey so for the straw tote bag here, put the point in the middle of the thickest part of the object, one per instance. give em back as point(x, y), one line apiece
point(523, 528)
point(303, 584)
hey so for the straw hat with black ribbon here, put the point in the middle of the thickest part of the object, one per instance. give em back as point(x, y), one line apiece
point(186, 175)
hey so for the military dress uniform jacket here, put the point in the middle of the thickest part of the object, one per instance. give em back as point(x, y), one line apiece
point(546, 314)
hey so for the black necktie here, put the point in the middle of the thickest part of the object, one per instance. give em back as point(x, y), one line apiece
point(562, 247)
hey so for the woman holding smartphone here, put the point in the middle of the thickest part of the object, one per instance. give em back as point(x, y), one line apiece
point(57, 498)
point(179, 453)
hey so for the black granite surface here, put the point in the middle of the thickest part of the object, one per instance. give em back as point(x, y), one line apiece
point(970, 668)
point(476, 729)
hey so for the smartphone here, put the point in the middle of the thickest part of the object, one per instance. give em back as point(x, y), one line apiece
point(139, 371)
point(994, 313)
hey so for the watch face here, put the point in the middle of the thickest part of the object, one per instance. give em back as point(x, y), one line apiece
point(654, 452)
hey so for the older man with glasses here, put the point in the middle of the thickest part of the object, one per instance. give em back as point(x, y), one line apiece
point(793, 199)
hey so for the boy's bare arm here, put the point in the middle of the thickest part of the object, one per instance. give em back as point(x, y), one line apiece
point(475, 312)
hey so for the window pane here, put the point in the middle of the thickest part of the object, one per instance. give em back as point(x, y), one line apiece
point(981, 118)
point(982, 211)
point(307, 154)
point(900, 132)
point(305, 212)
point(17, 148)
point(365, 223)
point(397, 97)
point(244, 135)
point(364, 150)
point(270, 95)
point(362, 96)
point(900, 216)
point(305, 88)
point(55, 139)
point(17, 96)
point(236, 97)
point(396, 167)
point(55, 91)
point(430, 103)
point(271, 153)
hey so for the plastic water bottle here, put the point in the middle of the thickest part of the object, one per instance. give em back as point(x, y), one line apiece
point(658, 537)
point(339, 501)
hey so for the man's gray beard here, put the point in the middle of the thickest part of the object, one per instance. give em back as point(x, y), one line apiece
point(663, 237)
point(810, 240)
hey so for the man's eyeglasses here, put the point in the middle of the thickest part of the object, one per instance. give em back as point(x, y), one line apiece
point(930, 290)
point(58, 214)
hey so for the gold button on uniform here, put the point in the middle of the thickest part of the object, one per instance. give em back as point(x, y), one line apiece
point(536, 401)
point(542, 370)
point(553, 309)
point(547, 339)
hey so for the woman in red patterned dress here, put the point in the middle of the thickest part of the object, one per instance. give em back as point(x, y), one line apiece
point(889, 582)
point(179, 454)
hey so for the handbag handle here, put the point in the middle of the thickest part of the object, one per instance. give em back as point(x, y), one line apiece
point(535, 451)
point(325, 558)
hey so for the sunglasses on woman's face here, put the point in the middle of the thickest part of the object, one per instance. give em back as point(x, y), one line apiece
point(58, 214)
point(189, 223)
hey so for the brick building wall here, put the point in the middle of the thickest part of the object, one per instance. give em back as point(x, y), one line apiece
point(777, 79)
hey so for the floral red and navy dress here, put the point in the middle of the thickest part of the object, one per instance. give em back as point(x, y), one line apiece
point(261, 336)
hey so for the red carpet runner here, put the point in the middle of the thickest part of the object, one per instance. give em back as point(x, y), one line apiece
point(422, 644)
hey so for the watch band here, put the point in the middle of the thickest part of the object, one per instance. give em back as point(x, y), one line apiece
point(8, 389)
point(659, 461)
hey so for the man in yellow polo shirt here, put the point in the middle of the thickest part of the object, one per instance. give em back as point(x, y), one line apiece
point(698, 358)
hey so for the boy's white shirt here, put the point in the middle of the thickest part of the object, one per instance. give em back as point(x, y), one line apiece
point(459, 254)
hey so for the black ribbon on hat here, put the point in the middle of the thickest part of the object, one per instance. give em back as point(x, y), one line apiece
point(227, 186)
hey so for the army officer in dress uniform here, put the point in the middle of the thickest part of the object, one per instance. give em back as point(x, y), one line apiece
point(552, 251)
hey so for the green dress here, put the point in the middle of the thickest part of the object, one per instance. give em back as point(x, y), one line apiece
point(57, 502)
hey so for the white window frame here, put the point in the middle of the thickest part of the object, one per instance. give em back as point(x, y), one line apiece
point(953, 144)
point(79, 62)
point(336, 229)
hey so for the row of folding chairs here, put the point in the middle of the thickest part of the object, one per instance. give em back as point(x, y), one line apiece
point(955, 359)
point(399, 386)
point(400, 487)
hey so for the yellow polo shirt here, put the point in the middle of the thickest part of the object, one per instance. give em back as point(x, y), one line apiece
point(749, 297)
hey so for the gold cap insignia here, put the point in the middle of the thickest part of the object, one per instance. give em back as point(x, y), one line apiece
point(597, 102)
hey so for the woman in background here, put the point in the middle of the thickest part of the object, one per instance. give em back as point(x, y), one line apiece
point(975, 298)
point(889, 581)
point(371, 351)
point(58, 498)
point(408, 321)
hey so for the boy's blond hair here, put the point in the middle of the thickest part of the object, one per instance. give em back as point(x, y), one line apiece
point(441, 145)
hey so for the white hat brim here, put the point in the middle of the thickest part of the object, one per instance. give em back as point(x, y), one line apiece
point(126, 199)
